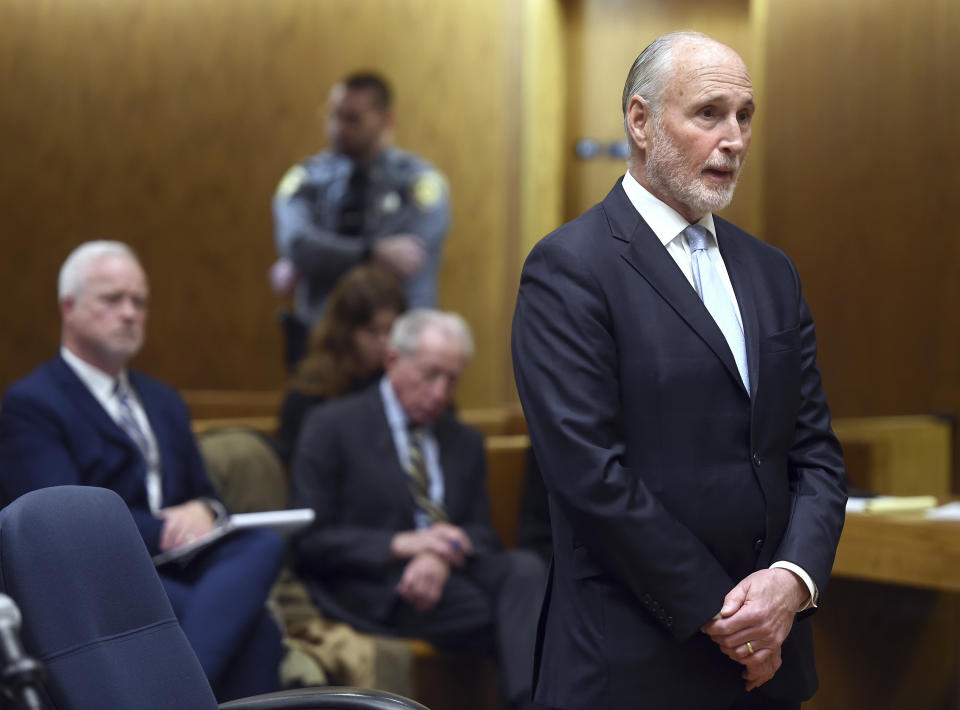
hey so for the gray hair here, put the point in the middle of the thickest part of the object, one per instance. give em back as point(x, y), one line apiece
point(408, 326)
point(73, 273)
point(648, 75)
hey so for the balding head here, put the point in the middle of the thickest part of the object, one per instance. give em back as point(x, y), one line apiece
point(688, 104)
point(649, 74)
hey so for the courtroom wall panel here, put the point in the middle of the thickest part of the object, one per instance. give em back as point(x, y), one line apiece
point(861, 182)
point(168, 125)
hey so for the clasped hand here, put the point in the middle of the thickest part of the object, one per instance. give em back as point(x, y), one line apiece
point(760, 609)
point(431, 553)
point(184, 523)
point(448, 542)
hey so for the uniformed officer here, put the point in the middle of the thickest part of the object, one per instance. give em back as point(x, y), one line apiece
point(360, 200)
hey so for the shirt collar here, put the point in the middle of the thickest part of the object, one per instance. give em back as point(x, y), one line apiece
point(97, 381)
point(396, 416)
point(665, 221)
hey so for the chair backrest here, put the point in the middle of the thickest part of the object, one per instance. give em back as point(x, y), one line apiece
point(331, 698)
point(94, 611)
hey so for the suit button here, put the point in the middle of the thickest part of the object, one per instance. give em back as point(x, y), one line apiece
point(756, 458)
point(757, 544)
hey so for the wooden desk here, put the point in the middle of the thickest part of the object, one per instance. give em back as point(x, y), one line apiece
point(902, 548)
point(887, 630)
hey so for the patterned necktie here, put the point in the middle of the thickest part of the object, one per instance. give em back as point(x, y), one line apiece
point(128, 421)
point(716, 298)
point(418, 481)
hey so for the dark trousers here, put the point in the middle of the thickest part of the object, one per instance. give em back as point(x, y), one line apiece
point(219, 598)
point(493, 605)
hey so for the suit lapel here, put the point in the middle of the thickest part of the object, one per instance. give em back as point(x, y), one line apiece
point(645, 253)
point(89, 407)
point(383, 448)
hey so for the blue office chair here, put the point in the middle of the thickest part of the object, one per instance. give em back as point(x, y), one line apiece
point(95, 615)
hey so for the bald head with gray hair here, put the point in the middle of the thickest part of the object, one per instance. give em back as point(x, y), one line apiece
point(73, 273)
point(405, 334)
point(648, 77)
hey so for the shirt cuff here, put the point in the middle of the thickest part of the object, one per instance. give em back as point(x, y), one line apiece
point(814, 597)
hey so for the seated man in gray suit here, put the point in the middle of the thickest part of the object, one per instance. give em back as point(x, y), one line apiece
point(402, 543)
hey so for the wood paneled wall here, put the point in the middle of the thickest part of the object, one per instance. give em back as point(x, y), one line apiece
point(862, 175)
point(168, 124)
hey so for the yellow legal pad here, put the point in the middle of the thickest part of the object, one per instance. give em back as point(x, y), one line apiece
point(890, 504)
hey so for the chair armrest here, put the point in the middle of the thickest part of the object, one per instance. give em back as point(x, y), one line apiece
point(327, 698)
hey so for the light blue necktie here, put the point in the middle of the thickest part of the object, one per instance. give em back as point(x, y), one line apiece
point(716, 298)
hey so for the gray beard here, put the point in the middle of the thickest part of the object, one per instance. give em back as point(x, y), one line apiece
point(664, 169)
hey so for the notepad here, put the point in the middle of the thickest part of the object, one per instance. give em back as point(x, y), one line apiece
point(890, 504)
point(949, 511)
point(283, 521)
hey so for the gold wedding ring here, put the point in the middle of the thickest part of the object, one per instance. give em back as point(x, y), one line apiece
point(750, 648)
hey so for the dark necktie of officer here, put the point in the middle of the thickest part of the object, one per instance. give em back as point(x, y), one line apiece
point(417, 479)
point(354, 204)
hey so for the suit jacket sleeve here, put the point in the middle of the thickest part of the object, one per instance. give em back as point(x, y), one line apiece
point(815, 465)
point(40, 447)
point(331, 544)
point(566, 365)
point(35, 453)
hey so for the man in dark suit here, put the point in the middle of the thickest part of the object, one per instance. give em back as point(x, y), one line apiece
point(666, 362)
point(402, 543)
point(85, 419)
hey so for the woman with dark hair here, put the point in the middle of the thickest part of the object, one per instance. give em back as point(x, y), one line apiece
point(346, 346)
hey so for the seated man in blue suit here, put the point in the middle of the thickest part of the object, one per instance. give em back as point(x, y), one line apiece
point(402, 542)
point(85, 419)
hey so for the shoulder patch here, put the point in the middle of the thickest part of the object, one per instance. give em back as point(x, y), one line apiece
point(428, 189)
point(291, 181)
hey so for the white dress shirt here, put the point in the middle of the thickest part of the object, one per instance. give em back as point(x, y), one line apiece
point(103, 387)
point(668, 225)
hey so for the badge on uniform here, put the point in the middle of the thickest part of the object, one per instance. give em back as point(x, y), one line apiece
point(390, 202)
point(428, 190)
